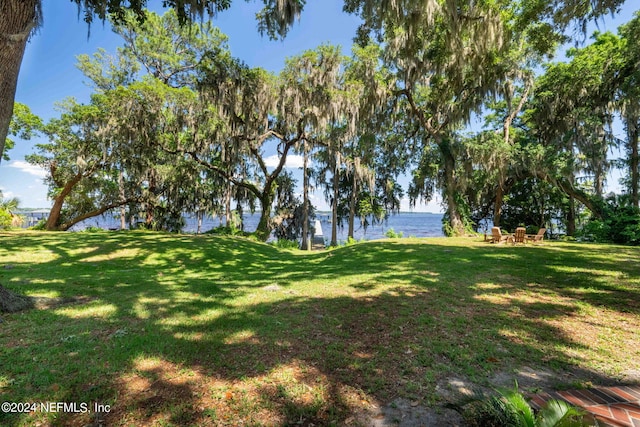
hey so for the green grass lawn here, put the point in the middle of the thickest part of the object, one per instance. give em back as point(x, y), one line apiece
point(204, 330)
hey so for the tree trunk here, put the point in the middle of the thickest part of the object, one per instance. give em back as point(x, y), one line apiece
point(123, 217)
point(238, 220)
point(17, 20)
point(506, 134)
point(506, 128)
point(123, 222)
point(263, 231)
point(567, 187)
point(449, 165)
point(67, 225)
point(599, 171)
point(504, 188)
point(571, 217)
point(151, 201)
point(54, 213)
point(632, 141)
point(543, 208)
point(334, 205)
point(227, 205)
point(306, 244)
point(497, 206)
point(148, 221)
point(352, 205)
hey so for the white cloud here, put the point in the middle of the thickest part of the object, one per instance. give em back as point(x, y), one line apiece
point(28, 168)
point(294, 161)
point(7, 194)
point(433, 206)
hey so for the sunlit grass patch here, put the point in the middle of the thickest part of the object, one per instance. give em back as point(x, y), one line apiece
point(241, 337)
point(93, 310)
point(4, 381)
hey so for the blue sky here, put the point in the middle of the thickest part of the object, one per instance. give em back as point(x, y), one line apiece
point(49, 75)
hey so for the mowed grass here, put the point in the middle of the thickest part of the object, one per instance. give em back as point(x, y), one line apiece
point(204, 330)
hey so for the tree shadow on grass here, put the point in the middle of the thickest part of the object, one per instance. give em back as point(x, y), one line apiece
point(189, 347)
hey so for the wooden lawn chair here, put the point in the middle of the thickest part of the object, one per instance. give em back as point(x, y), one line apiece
point(536, 237)
point(519, 235)
point(497, 236)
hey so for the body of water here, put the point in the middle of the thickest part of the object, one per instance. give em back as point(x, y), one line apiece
point(416, 224)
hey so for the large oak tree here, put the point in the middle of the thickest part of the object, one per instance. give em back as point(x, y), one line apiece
point(18, 19)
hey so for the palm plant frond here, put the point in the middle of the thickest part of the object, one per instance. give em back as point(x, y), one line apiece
point(557, 413)
point(511, 409)
point(519, 406)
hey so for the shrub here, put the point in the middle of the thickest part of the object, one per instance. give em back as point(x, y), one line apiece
point(225, 230)
point(621, 223)
point(286, 244)
point(5, 219)
point(39, 226)
point(350, 241)
point(594, 231)
point(511, 409)
point(624, 225)
point(391, 233)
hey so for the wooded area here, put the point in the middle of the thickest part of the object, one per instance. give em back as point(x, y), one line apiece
point(176, 124)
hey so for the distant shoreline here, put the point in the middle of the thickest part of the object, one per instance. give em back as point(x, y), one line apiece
point(43, 210)
point(393, 213)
